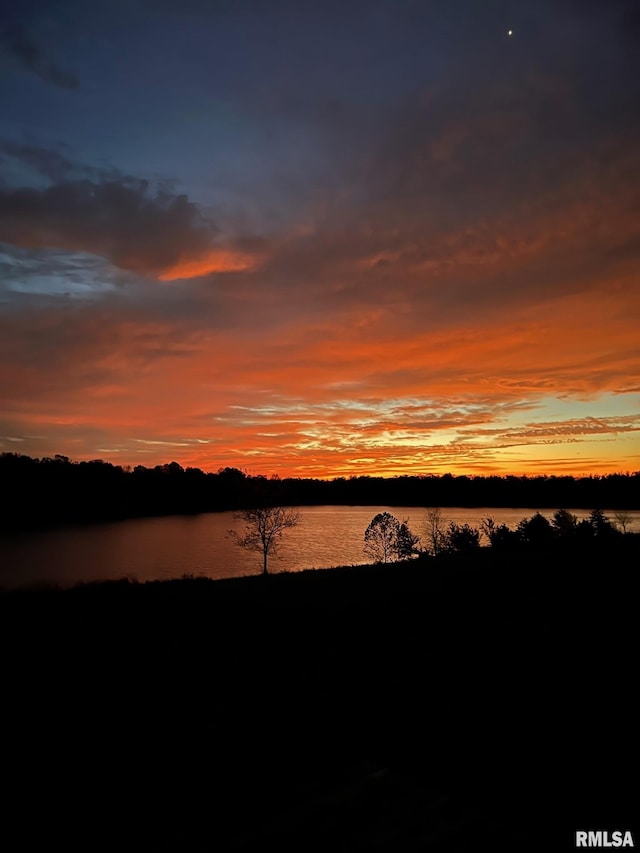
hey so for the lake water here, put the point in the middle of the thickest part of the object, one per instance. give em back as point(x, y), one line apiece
point(169, 547)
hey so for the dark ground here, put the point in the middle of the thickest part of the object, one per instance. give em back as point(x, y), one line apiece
point(431, 706)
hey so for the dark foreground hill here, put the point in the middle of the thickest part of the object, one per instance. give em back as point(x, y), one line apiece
point(437, 705)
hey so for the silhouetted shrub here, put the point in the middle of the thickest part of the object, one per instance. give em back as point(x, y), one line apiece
point(462, 538)
point(602, 527)
point(565, 524)
point(500, 536)
point(535, 532)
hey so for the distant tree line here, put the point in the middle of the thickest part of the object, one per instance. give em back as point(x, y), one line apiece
point(56, 490)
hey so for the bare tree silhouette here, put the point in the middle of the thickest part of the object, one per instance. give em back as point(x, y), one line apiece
point(624, 519)
point(387, 539)
point(264, 529)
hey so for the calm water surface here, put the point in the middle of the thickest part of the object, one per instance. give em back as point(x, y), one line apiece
point(169, 547)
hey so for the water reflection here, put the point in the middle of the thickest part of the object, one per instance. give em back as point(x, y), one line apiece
point(162, 548)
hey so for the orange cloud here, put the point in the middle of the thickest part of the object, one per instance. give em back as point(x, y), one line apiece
point(320, 400)
point(213, 261)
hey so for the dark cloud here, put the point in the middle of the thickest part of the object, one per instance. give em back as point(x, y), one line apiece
point(125, 221)
point(44, 161)
point(57, 167)
point(29, 56)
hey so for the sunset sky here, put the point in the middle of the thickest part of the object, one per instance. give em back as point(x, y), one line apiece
point(322, 237)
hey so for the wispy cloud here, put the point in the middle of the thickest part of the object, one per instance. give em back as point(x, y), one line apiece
point(27, 55)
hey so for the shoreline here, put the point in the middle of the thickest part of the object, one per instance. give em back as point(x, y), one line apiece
point(455, 700)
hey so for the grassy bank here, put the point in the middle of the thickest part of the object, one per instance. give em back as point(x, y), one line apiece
point(429, 705)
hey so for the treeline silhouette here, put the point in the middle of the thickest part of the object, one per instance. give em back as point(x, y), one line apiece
point(55, 490)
